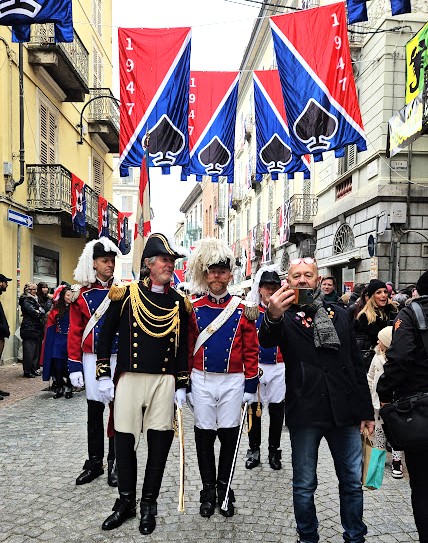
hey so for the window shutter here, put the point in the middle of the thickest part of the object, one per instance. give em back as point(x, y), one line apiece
point(98, 175)
point(47, 131)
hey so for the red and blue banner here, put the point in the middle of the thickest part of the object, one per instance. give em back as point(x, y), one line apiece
point(21, 14)
point(143, 218)
point(212, 117)
point(103, 219)
point(317, 80)
point(78, 204)
point(154, 65)
point(124, 243)
point(274, 154)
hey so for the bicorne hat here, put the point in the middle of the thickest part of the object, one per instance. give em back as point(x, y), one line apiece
point(158, 244)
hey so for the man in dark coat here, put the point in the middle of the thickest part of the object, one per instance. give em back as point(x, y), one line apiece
point(4, 326)
point(327, 396)
point(151, 319)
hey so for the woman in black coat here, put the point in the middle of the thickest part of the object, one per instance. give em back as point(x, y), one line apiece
point(378, 312)
point(31, 329)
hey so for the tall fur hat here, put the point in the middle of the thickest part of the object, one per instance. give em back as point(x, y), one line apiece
point(254, 295)
point(207, 252)
point(84, 272)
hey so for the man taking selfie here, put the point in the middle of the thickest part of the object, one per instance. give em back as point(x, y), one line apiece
point(327, 396)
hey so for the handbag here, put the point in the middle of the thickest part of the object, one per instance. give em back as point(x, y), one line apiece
point(373, 463)
point(405, 422)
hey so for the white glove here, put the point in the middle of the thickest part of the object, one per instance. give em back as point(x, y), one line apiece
point(189, 399)
point(106, 389)
point(76, 378)
point(180, 397)
point(249, 397)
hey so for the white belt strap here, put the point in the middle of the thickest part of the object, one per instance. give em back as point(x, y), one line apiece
point(217, 322)
point(102, 308)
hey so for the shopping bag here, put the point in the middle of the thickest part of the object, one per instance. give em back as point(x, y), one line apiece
point(373, 463)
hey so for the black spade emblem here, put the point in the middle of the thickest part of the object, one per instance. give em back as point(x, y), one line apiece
point(214, 157)
point(275, 154)
point(165, 142)
point(315, 126)
point(124, 243)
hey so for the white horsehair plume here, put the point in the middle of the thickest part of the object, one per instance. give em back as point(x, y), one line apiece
point(84, 273)
point(254, 296)
point(207, 251)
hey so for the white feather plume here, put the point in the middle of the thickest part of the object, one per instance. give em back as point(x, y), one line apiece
point(254, 296)
point(84, 272)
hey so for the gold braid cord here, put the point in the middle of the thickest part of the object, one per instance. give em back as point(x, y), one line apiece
point(154, 325)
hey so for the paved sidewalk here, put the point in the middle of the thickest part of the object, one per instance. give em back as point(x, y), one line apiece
point(43, 447)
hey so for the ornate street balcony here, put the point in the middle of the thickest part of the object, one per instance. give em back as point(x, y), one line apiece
point(49, 198)
point(104, 118)
point(303, 209)
point(66, 63)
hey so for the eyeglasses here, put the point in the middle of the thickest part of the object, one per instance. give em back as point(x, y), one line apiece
point(306, 260)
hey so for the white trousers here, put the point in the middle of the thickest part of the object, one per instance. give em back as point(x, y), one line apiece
point(217, 399)
point(89, 361)
point(272, 383)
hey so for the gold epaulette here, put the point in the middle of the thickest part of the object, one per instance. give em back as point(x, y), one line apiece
point(75, 291)
point(117, 291)
point(187, 302)
point(251, 312)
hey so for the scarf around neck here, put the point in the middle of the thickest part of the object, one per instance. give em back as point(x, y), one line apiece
point(325, 334)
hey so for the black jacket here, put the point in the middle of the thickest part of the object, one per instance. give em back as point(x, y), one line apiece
point(406, 369)
point(32, 317)
point(323, 386)
point(367, 333)
point(4, 326)
point(137, 350)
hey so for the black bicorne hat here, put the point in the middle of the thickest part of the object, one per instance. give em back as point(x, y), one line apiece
point(100, 252)
point(269, 277)
point(221, 264)
point(158, 244)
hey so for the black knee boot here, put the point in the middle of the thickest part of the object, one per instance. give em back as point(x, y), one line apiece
point(254, 438)
point(111, 464)
point(276, 414)
point(158, 444)
point(93, 467)
point(204, 440)
point(228, 439)
point(126, 458)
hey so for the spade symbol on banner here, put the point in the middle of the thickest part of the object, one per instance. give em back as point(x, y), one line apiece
point(165, 142)
point(275, 154)
point(214, 157)
point(315, 126)
point(79, 201)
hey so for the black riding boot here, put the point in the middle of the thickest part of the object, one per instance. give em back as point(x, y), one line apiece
point(93, 467)
point(111, 464)
point(228, 439)
point(276, 415)
point(158, 444)
point(125, 506)
point(204, 440)
point(254, 438)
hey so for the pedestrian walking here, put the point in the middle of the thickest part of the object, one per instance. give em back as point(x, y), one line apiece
point(151, 319)
point(327, 396)
point(271, 388)
point(4, 325)
point(94, 273)
point(224, 353)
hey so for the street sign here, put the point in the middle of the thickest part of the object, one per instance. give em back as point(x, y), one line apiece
point(19, 218)
point(371, 247)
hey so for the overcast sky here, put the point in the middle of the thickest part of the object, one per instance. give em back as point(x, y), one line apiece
point(220, 33)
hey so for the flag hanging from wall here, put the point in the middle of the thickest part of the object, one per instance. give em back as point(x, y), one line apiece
point(212, 117)
point(274, 154)
point(357, 11)
point(284, 223)
point(103, 218)
point(317, 80)
point(267, 243)
point(122, 232)
point(78, 204)
point(142, 221)
point(154, 66)
point(20, 15)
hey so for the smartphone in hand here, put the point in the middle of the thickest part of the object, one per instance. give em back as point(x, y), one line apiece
point(303, 296)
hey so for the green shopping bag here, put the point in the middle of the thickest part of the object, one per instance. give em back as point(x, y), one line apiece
point(373, 463)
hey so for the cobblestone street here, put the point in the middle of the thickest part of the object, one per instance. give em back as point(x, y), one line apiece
point(43, 448)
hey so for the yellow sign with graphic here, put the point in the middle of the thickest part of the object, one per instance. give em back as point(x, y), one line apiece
point(416, 63)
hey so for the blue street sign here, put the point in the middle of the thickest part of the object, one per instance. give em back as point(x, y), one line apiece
point(20, 218)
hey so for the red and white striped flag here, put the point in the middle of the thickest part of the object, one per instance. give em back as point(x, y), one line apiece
point(142, 223)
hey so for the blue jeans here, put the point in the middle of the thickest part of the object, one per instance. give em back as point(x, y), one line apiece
point(346, 450)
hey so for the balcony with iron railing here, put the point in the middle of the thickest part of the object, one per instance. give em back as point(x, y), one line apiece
point(302, 210)
point(49, 193)
point(104, 117)
point(192, 234)
point(66, 63)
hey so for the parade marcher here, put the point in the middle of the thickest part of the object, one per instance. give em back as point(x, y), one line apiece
point(4, 326)
point(152, 320)
point(272, 378)
point(94, 273)
point(223, 359)
point(54, 358)
point(327, 396)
